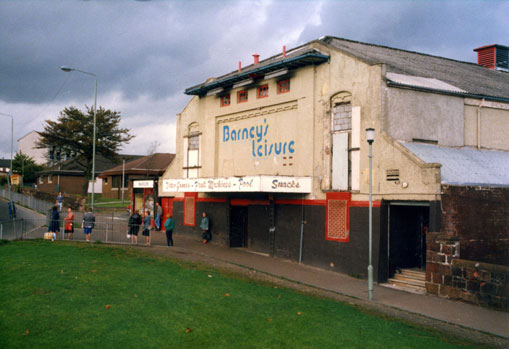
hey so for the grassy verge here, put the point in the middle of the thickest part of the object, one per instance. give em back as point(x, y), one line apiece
point(87, 295)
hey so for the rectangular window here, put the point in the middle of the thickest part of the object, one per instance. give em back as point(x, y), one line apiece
point(263, 91)
point(194, 142)
point(41, 179)
point(225, 100)
point(242, 96)
point(50, 178)
point(342, 117)
point(116, 181)
point(106, 180)
point(283, 86)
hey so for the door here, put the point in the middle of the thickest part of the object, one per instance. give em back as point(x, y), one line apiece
point(167, 205)
point(238, 226)
point(407, 240)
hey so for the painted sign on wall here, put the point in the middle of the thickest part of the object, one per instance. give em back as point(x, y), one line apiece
point(263, 140)
point(268, 184)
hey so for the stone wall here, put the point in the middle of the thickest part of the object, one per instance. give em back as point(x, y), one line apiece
point(474, 282)
point(479, 217)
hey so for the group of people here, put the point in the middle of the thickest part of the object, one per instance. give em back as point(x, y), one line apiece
point(134, 224)
point(87, 224)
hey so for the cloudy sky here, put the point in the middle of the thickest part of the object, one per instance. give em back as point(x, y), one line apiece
point(146, 53)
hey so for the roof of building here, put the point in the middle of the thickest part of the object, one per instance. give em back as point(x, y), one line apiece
point(469, 77)
point(407, 69)
point(72, 167)
point(295, 59)
point(150, 165)
point(466, 166)
point(5, 162)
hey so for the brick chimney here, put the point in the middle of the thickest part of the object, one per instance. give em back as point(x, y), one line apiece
point(495, 57)
point(256, 57)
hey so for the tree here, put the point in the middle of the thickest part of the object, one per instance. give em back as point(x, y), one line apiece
point(26, 166)
point(72, 133)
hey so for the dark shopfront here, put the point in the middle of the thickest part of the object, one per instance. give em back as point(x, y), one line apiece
point(273, 223)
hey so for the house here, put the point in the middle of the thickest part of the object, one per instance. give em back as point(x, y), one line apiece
point(68, 176)
point(276, 154)
point(140, 179)
point(5, 167)
point(27, 145)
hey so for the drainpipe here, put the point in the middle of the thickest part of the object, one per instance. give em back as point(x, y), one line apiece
point(479, 124)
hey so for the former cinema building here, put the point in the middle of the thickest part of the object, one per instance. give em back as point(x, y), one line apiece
point(276, 154)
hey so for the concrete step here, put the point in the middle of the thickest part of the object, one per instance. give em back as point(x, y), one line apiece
point(403, 279)
point(404, 286)
point(414, 273)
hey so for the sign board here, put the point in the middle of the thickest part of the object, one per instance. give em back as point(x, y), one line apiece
point(143, 184)
point(15, 179)
point(267, 184)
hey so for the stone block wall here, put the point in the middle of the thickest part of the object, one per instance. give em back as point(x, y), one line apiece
point(479, 217)
point(474, 282)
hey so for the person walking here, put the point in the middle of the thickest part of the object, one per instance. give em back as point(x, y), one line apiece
point(204, 226)
point(60, 200)
point(159, 216)
point(147, 226)
point(169, 225)
point(54, 224)
point(134, 226)
point(69, 224)
point(88, 223)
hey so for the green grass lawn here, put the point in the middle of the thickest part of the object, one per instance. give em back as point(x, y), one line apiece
point(91, 295)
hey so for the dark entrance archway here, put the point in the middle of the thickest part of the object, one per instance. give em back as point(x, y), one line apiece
point(408, 223)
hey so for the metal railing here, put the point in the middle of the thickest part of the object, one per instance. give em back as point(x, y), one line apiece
point(104, 232)
point(37, 205)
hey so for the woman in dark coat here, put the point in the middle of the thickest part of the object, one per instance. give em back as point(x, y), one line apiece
point(54, 224)
point(134, 226)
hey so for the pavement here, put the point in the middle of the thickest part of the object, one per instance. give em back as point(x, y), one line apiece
point(469, 318)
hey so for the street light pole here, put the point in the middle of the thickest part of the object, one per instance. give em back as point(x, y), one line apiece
point(67, 69)
point(370, 137)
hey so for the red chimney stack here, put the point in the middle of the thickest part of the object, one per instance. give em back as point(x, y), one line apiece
point(256, 57)
point(493, 57)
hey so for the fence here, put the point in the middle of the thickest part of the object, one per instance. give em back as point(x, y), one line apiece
point(105, 232)
point(37, 205)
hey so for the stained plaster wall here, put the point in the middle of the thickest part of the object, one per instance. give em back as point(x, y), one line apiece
point(494, 120)
point(421, 115)
point(364, 82)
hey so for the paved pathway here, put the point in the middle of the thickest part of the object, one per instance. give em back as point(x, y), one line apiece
point(433, 307)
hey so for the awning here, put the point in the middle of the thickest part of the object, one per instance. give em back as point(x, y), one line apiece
point(265, 184)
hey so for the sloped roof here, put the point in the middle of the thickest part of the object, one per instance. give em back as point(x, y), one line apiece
point(72, 168)
point(466, 166)
point(470, 77)
point(5, 163)
point(296, 58)
point(154, 164)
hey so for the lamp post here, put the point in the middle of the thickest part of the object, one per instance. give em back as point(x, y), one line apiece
point(67, 70)
point(370, 138)
point(10, 171)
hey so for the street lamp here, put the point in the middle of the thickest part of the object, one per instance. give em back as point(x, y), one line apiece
point(370, 138)
point(10, 171)
point(67, 70)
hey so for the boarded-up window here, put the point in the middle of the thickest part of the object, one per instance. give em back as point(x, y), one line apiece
point(342, 117)
point(189, 210)
point(338, 227)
